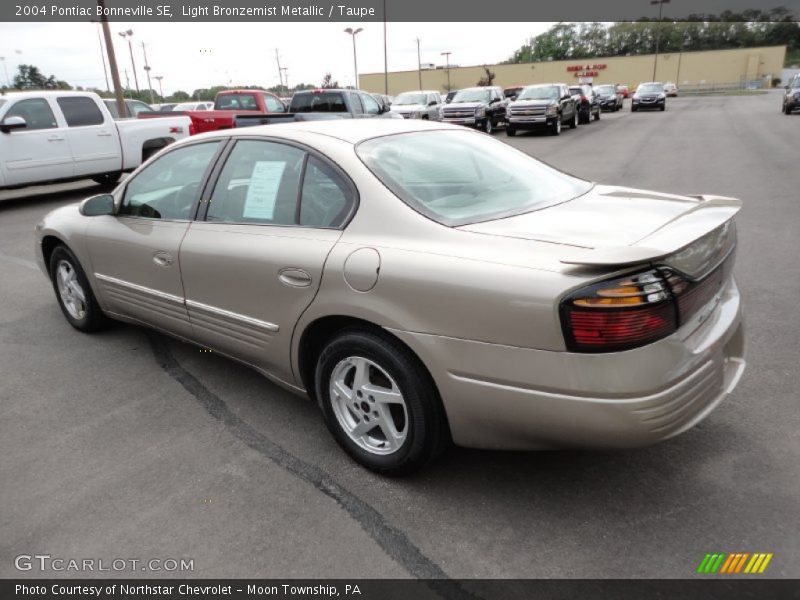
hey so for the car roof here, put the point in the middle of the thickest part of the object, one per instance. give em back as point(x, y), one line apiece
point(43, 94)
point(352, 131)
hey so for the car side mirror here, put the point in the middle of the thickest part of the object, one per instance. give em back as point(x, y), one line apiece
point(9, 124)
point(97, 206)
point(432, 103)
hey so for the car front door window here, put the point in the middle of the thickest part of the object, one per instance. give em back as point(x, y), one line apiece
point(168, 187)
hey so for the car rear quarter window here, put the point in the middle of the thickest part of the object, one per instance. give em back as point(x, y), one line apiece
point(326, 199)
point(259, 184)
point(168, 187)
point(80, 111)
point(36, 112)
point(371, 106)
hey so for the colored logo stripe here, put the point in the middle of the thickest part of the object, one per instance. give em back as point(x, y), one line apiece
point(735, 562)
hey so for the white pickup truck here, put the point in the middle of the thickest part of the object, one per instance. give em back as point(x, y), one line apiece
point(48, 136)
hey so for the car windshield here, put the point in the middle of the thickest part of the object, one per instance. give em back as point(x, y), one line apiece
point(650, 88)
point(409, 98)
point(458, 177)
point(318, 102)
point(471, 96)
point(605, 90)
point(539, 93)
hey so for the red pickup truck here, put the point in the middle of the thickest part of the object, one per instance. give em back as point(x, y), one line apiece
point(227, 105)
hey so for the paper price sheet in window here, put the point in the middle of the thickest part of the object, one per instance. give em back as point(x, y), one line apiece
point(263, 190)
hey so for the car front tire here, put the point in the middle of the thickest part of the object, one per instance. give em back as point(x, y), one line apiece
point(487, 126)
point(573, 124)
point(73, 292)
point(511, 132)
point(555, 128)
point(107, 178)
point(379, 402)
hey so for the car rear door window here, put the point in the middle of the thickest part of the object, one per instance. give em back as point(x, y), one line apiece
point(36, 112)
point(259, 184)
point(169, 186)
point(80, 111)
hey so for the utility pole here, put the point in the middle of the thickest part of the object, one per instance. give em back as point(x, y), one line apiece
point(158, 78)
point(127, 35)
point(5, 68)
point(147, 70)
point(122, 110)
point(447, 58)
point(419, 66)
point(280, 71)
point(660, 3)
point(103, 56)
point(286, 78)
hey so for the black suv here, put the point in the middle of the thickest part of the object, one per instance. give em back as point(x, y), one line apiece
point(480, 107)
point(609, 96)
point(548, 105)
point(791, 99)
point(588, 102)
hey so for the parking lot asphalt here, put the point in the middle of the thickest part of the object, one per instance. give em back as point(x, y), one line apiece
point(126, 444)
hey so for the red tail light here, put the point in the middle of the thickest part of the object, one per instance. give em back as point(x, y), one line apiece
point(637, 309)
point(192, 129)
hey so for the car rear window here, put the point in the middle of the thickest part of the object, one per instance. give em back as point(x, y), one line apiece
point(460, 177)
point(236, 102)
point(318, 102)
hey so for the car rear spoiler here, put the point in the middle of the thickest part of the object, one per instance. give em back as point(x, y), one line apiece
point(710, 213)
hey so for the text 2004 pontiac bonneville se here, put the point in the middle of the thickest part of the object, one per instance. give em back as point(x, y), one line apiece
point(418, 295)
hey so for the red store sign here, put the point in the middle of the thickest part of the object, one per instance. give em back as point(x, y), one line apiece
point(597, 67)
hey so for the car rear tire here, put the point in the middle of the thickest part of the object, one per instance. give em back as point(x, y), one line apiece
point(573, 124)
point(73, 292)
point(107, 178)
point(379, 402)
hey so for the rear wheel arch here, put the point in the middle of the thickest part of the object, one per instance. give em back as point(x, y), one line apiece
point(150, 147)
point(319, 332)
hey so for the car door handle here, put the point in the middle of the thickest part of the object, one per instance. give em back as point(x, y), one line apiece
point(56, 138)
point(104, 134)
point(294, 277)
point(162, 259)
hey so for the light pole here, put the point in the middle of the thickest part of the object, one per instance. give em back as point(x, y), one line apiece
point(419, 66)
point(158, 78)
point(353, 33)
point(127, 35)
point(147, 71)
point(447, 58)
point(385, 55)
point(661, 4)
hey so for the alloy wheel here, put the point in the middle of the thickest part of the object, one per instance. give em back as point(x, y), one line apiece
point(70, 290)
point(368, 405)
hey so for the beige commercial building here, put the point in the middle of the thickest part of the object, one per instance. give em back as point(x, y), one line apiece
point(689, 69)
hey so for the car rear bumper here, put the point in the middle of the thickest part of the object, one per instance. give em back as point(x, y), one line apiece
point(506, 397)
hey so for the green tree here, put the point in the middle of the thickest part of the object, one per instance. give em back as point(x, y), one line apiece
point(328, 82)
point(488, 77)
point(30, 77)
